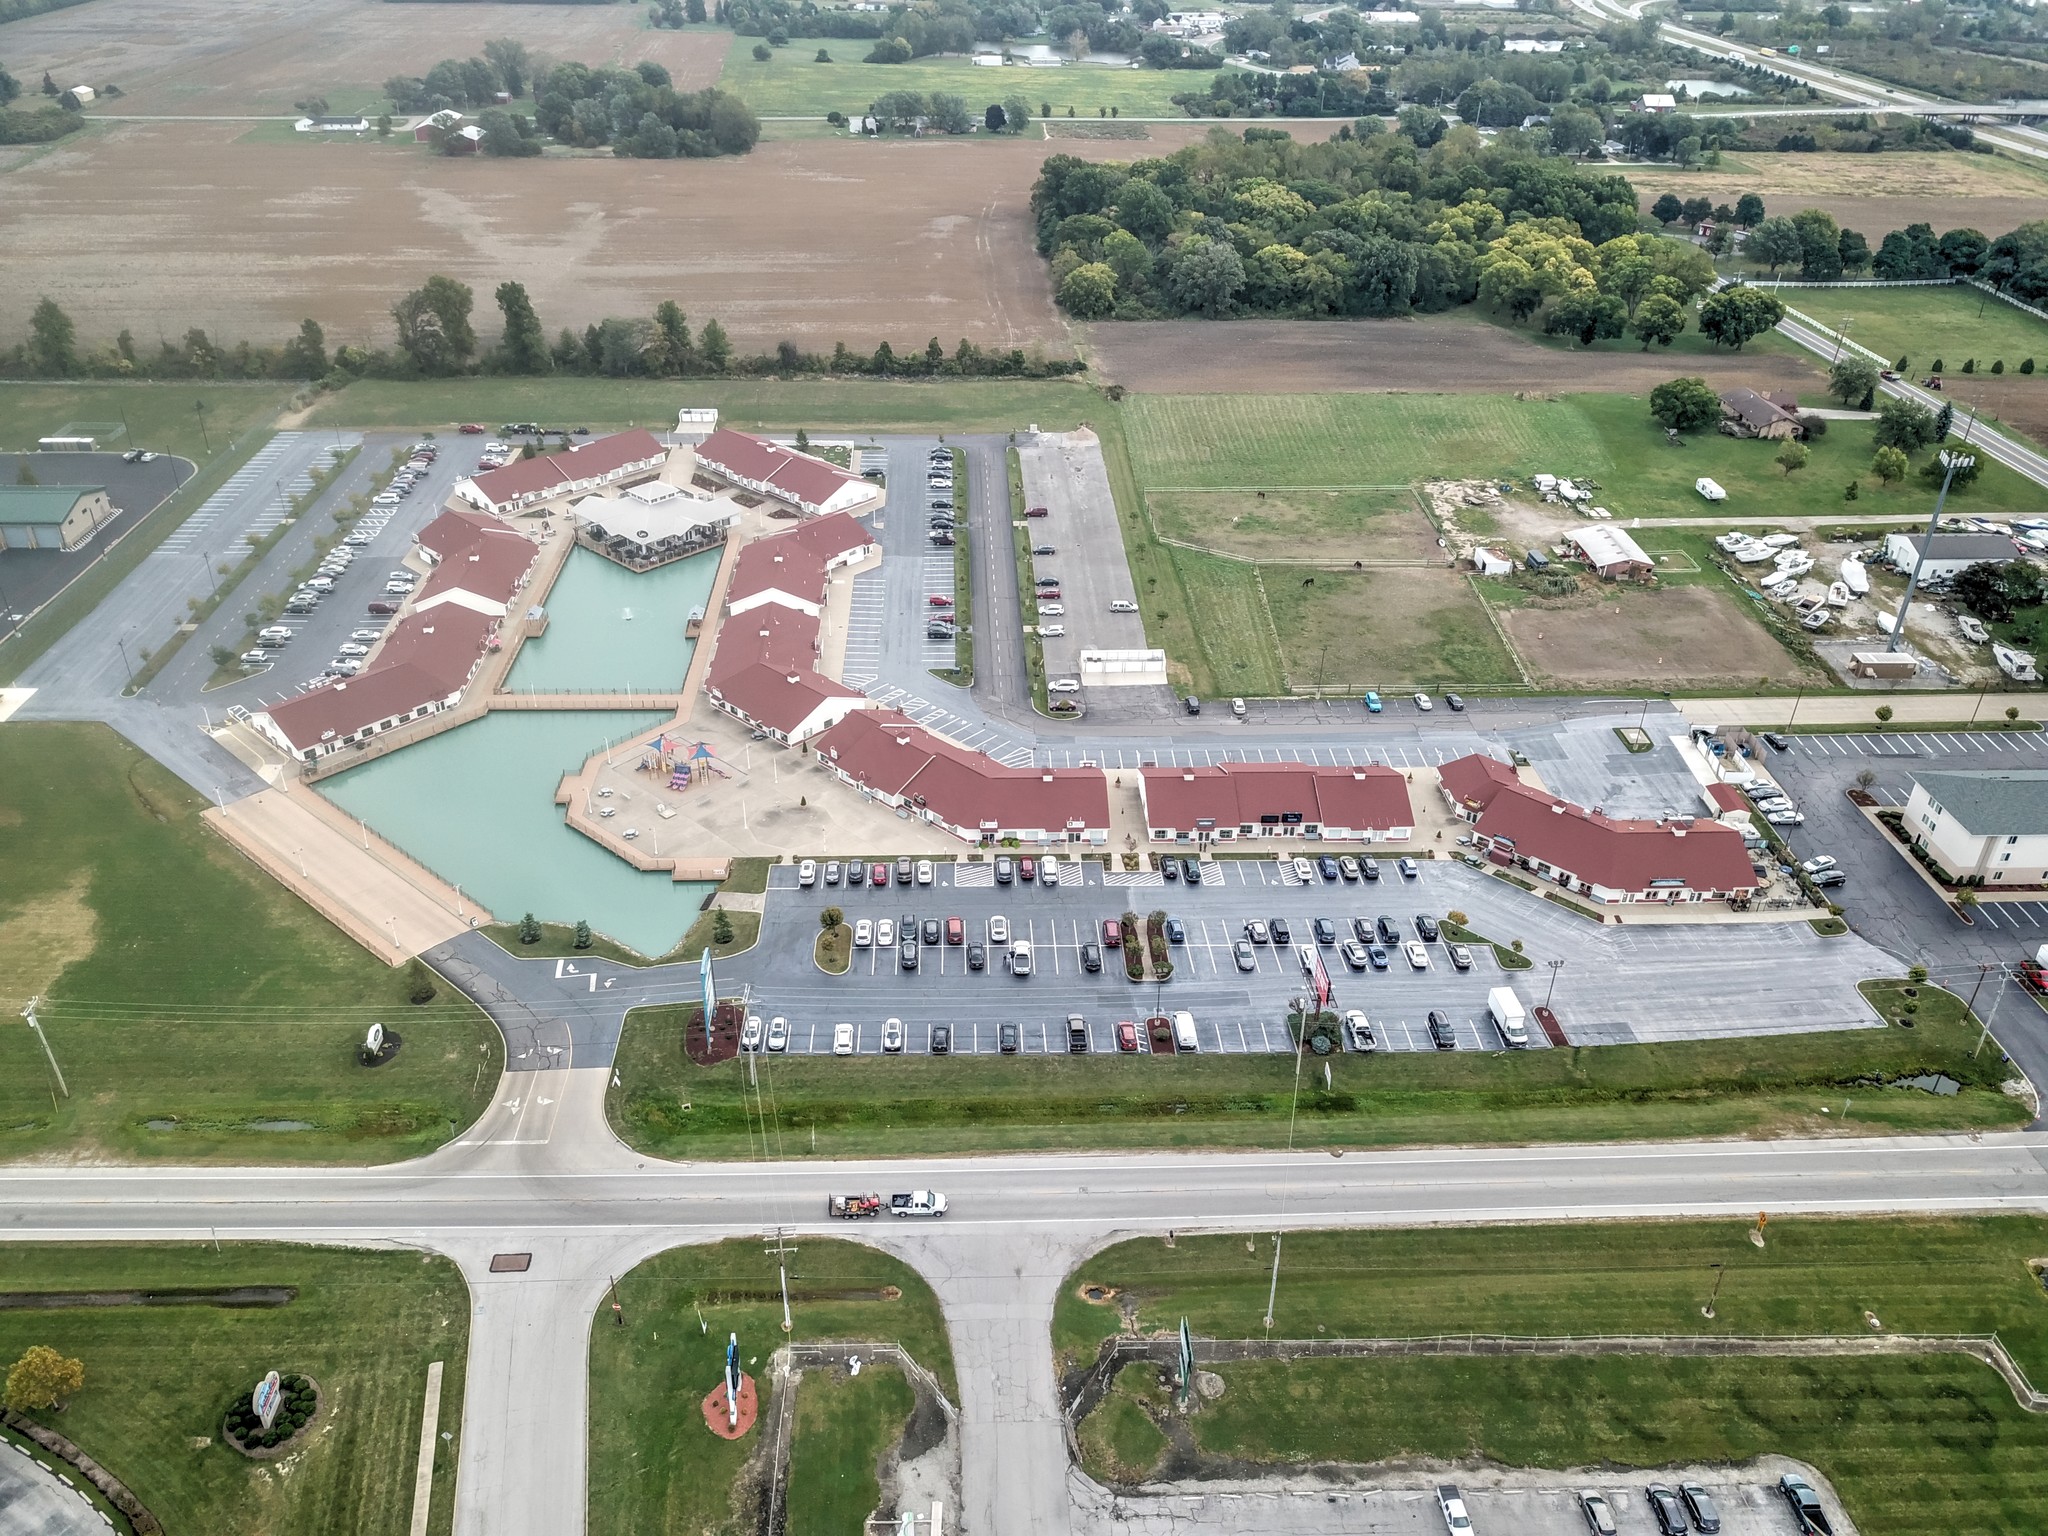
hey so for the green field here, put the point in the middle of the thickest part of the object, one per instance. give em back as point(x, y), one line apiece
point(793, 84)
point(158, 416)
point(158, 1379)
point(1921, 324)
point(1352, 440)
point(1775, 1085)
point(1386, 629)
point(843, 1425)
point(654, 1467)
point(182, 985)
point(1297, 524)
point(1912, 1445)
point(994, 405)
point(1238, 650)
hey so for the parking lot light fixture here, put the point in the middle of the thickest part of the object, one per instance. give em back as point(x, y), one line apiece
point(1555, 967)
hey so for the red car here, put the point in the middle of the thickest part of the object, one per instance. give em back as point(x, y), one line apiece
point(471, 428)
point(1048, 594)
point(1027, 869)
point(1038, 512)
point(1127, 1036)
point(941, 602)
point(1112, 933)
point(956, 931)
point(878, 876)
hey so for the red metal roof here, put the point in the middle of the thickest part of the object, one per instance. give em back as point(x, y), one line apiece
point(491, 564)
point(796, 559)
point(741, 456)
point(548, 474)
point(1473, 781)
point(1231, 794)
point(893, 755)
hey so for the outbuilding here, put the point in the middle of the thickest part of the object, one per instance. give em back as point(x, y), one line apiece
point(1612, 553)
point(1946, 554)
point(52, 516)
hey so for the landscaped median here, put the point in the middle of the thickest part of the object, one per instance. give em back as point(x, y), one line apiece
point(866, 1106)
point(654, 1466)
point(160, 1379)
point(1923, 1439)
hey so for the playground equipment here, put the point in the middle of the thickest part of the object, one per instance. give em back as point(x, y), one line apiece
point(683, 766)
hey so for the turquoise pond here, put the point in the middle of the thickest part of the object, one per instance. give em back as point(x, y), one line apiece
point(614, 630)
point(476, 805)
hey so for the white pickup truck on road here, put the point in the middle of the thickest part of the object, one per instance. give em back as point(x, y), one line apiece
point(918, 1202)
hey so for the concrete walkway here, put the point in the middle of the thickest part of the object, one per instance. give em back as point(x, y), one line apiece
point(1908, 709)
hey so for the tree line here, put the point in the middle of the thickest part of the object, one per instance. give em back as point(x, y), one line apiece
point(436, 338)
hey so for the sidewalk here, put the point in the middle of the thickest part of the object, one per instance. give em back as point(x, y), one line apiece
point(1908, 709)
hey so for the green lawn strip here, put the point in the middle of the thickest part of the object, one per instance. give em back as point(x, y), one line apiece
point(792, 84)
point(558, 940)
point(1510, 959)
point(843, 1425)
point(1921, 324)
point(86, 593)
point(181, 984)
point(879, 405)
point(748, 876)
point(364, 1325)
point(1910, 1445)
point(1875, 727)
point(1163, 594)
point(833, 948)
point(864, 1107)
point(1237, 644)
point(654, 1467)
point(1120, 1441)
point(1814, 1275)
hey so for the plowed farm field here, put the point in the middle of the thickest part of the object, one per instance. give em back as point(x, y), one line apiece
point(238, 57)
point(159, 226)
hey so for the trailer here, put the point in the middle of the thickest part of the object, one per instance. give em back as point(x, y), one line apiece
point(853, 1207)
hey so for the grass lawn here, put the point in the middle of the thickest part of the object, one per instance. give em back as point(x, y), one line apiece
point(1921, 324)
point(1387, 629)
point(158, 416)
point(793, 84)
point(1293, 524)
point(1898, 1437)
point(179, 983)
point(1003, 405)
point(364, 1325)
point(1237, 649)
point(862, 1107)
point(843, 1425)
point(654, 1467)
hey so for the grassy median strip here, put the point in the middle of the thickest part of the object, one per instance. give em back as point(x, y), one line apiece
point(158, 1379)
point(962, 670)
point(1912, 1444)
point(1027, 589)
point(843, 1425)
point(654, 1467)
point(1771, 1085)
point(196, 1010)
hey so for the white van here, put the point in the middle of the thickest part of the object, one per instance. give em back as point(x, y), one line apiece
point(1122, 605)
point(1020, 958)
point(1184, 1032)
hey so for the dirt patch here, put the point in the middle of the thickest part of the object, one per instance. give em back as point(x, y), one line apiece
point(1641, 637)
point(1872, 193)
point(203, 57)
point(141, 221)
point(724, 1042)
point(40, 940)
point(1456, 352)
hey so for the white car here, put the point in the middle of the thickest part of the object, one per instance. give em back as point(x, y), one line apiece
point(885, 933)
point(1063, 684)
point(1786, 818)
point(1815, 866)
point(1052, 630)
point(1358, 1031)
point(778, 1033)
point(352, 649)
point(1417, 953)
point(1237, 708)
point(842, 1039)
point(366, 634)
point(924, 871)
point(807, 873)
point(863, 934)
point(398, 589)
point(750, 1033)
point(385, 499)
point(892, 1035)
point(1304, 871)
point(1049, 871)
point(1055, 610)
point(1424, 702)
point(357, 538)
point(999, 929)
point(344, 666)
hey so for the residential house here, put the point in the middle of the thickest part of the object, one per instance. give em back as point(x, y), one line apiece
point(1745, 413)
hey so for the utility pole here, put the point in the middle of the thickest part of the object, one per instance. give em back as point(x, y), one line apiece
point(29, 1013)
point(199, 410)
point(1951, 462)
point(782, 1252)
point(618, 1312)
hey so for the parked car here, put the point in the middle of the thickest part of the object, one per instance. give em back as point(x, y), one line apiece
point(942, 1039)
point(1006, 1039)
point(977, 956)
point(1191, 871)
point(1358, 1031)
point(1426, 928)
point(878, 874)
point(1326, 866)
point(1169, 868)
point(1598, 1513)
point(1176, 931)
point(1354, 954)
point(1347, 867)
point(1304, 871)
point(1457, 704)
point(1044, 549)
point(1389, 931)
point(807, 874)
point(1700, 1505)
point(892, 1035)
point(1776, 742)
point(1666, 1511)
point(1237, 708)
point(1442, 1033)
point(1424, 703)
point(1409, 869)
point(999, 929)
point(903, 871)
point(1027, 869)
point(842, 1039)
point(1372, 702)
point(350, 648)
point(956, 931)
point(1091, 956)
point(856, 872)
point(1052, 632)
point(833, 871)
point(931, 930)
point(1255, 930)
point(1814, 866)
point(1452, 1507)
point(1246, 959)
point(863, 934)
point(257, 658)
point(906, 954)
point(1126, 1035)
point(1417, 953)
point(1112, 933)
point(1377, 954)
point(1461, 956)
point(885, 932)
point(1282, 934)
point(750, 1033)
point(1369, 868)
point(1052, 610)
point(778, 1033)
point(1325, 930)
point(1807, 1515)
point(1038, 512)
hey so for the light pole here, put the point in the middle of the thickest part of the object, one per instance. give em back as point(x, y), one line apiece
point(1951, 462)
point(1555, 967)
point(122, 642)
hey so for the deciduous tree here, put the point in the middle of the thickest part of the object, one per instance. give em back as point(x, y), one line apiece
point(524, 345)
point(42, 1378)
point(1686, 405)
point(52, 340)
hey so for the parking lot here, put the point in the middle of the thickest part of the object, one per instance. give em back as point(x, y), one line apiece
point(1067, 477)
point(1608, 985)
